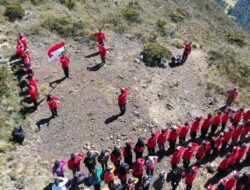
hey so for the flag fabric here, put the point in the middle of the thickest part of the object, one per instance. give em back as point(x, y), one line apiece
point(55, 51)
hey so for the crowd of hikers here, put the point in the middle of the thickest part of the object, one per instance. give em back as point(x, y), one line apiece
point(132, 167)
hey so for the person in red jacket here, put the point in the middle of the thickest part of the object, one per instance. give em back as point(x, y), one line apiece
point(226, 138)
point(183, 132)
point(139, 148)
point(246, 116)
point(233, 156)
point(64, 60)
point(237, 117)
point(201, 151)
point(231, 182)
point(187, 51)
point(236, 134)
point(53, 102)
point(172, 137)
point(225, 119)
point(122, 100)
point(241, 153)
point(244, 132)
point(232, 95)
point(127, 153)
point(22, 40)
point(190, 176)
point(32, 82)
point(188, 154)
point(74, 162)
point(176, 157)
point(205, 126)
point(215, 123)
point(223, 166)
point(138, 168)
point(195, 127)
point(162, 140)
point(247, 160)
point(33, 96)
point(217, 141)
point(100, 36)
point(152, 143)
point(116, 157)
point(102, 52)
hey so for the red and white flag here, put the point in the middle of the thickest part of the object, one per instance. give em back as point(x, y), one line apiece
point(55, 51)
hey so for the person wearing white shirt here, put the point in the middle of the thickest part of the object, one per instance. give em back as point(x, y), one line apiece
point(60, 183)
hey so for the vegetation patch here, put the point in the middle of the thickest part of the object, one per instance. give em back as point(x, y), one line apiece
point(237, 39)
point(131, 14)
point(155, 54)
point(14, 11)
point(38, 2)
point(70, 4)
point(179, 15)
point(216, 87)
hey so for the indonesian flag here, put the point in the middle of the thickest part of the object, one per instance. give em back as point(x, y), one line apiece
point(55, 51)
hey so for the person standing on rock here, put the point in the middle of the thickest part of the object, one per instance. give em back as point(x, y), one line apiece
point(232, 95)
point(122, 100)
point(187, 51)
point(139, 148)
point(100, 36)
point(53, 102)
point(74, 162)
point(64, 60)
point(102, 53)
point(152, 143)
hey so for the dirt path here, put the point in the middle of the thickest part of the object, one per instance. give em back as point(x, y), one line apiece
point(157, 96)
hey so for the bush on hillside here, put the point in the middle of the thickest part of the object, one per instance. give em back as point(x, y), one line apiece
point(38, 2)
point(237, 39)
point(161, 27)
point(155, 54)
point(179, 15)
point(14, 11)
point(131, 14)
point(70, 4)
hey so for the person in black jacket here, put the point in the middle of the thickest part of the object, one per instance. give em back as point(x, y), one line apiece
point(18, 134)
point(90, 160)
point(103, 159)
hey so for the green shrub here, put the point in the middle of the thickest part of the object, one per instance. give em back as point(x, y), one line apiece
point(38, 2)
point(70, 4)
point(14, 11)
point(179, 15)
point(237, 39)
point(131, 14)
point(161, 23)
point(155, 54)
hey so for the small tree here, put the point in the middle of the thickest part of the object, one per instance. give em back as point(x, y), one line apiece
point(14, 11)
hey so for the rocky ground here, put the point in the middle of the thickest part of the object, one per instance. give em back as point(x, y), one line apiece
point(157, 97)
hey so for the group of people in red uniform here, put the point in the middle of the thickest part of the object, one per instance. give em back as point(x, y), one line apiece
point(101, 38)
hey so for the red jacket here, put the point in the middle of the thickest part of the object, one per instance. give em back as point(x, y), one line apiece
point(196, 125)
point(227, 136)
point(208, 145)
point(33, 94)
point(138, 166)
point(64, 61)
point(23, 40)
point(225, 117)
point(53, 103)
point(188, 48)
point(201, 151)
point(232, 94)
point(230, 184)
point(218, 141)
point(232, 158)
point(162, 137)
point(238, 115)
point(236, 133)
point(74, 165)
point(102, 50)
point(173, 135)
point(176, 158)
point(217, 119)
point(32, 82)
point(224, 164)
point(191, 176)
point(122, 99)
point(101, 36)
point(183, 131)
point(152, 140)
point(207, 122)
point(241, 152)
point(115, 158)
point(189, 152)
point(138, 148)
point(246, 116)
point(20, 50)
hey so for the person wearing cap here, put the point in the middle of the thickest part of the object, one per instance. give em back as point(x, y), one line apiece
point(127, 153)
point(53, 102)
point(225, 119)
point(162, 138)
point(205, 125)
point(195, 127)
point(103, 159)
point(116, 157)
point(152, 143)
point(58, 168)
point(90, 160)
point(60, 183)
point(226, 138)
point(122, 100)
point(188, 154)
point(150, 165)
point(187, 51)
point(139, 148)
point(224, 164)
point(100, 36)
point(64, 60)
point(176, 157)
point(183, 132)
point(215, 123)
point(33, 96)
point(237, 117)
point(232, 95)
point(102, 53)
point(109, 176)
point(190, 176)
point(172, 137)
point(74, 162)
